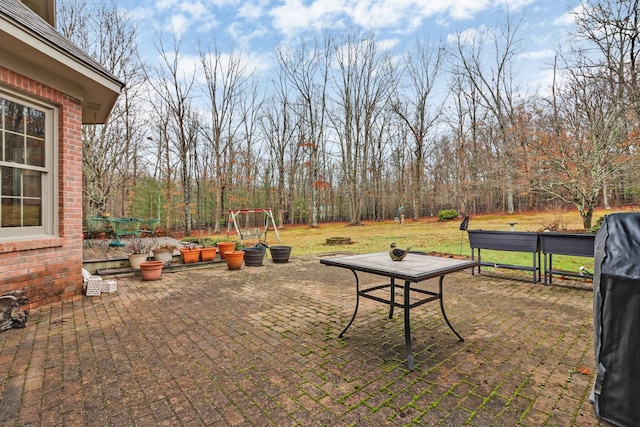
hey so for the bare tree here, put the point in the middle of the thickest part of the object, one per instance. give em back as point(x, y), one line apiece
point(225, 83)
point(163, 168)
point(415, 106)
point(364, 83)
point(280, 125)
point(609, 33)
point(473, 160)
point(173, 87)
point(491, 75)
point(307, 70)
point(592, 122)
point(587, 142)
point(250, 107)
point(110, 159)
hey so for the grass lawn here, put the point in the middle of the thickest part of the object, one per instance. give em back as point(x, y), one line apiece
point(431, 235)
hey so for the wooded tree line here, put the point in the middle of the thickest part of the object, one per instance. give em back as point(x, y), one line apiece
point(346, 129)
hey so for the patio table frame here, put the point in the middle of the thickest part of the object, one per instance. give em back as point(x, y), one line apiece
point(412, 269)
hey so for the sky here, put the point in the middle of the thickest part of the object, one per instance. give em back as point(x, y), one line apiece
point(258, 26)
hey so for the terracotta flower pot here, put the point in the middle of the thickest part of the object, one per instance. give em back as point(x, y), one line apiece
point(136, 259)
point(234, 259)
point(190, 255)
point(224, 247)
point(151, 270)
point(208, 254)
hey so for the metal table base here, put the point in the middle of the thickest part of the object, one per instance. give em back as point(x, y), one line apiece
point(406, 305)
point(416, 269)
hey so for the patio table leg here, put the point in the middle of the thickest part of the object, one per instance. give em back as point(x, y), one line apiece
point(407, 326)
point(446, 319)
point(392, 297)
point(357, 304)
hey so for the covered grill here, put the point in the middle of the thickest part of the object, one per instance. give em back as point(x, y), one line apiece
point(616, 320)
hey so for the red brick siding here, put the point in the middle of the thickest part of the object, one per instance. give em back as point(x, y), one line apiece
point(50, 269)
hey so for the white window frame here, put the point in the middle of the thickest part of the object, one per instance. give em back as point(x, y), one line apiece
point(50, 209)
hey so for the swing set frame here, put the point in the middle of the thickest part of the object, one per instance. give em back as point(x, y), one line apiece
point(251, 233)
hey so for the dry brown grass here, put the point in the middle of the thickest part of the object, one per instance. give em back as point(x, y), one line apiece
point(430, 235)
point(427, 234)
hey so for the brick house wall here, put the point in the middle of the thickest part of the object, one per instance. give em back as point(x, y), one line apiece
point(50, 269)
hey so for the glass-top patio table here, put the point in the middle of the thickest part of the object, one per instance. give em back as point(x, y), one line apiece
point(412, 269)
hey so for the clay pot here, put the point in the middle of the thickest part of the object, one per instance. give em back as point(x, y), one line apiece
point(253, 256)
point(136, 259)
point(234, 259)
point(208, 254)
point(151, 270)
point(165, 255)
point(224, 247)
point(190, 255)
point(280, 254)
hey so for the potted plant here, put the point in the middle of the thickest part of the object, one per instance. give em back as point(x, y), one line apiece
point(164, 253)
point(190, 253)
point(224, 247)
point(138, 252)
point(208, 251)
point(234, 259)
point(151, 270)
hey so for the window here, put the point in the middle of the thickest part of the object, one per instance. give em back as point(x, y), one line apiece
point(26, 167)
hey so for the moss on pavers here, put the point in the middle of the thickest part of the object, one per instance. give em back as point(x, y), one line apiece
point(260, 347)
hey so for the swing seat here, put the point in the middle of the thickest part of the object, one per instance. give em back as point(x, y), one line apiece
point(252, 233)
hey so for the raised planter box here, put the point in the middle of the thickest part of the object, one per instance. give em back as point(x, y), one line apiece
point(565, 244)
point(512, 241)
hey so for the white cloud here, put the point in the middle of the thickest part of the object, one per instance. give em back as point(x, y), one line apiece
point(468, 36)
point(178, 24)
point(258, 63)
point(224, 3)
point(259, 25)
point(294, 16)
point(165, 4)
point(565, 19)
point(514, 5)
point(251, 10)
point(381, 14)
point(194, 9)
point(467, 9)
point(183, 17)
point(568, 19)
point(238, 32)
point(387, 44)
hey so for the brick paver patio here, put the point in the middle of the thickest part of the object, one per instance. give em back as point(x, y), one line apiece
point(260, 347)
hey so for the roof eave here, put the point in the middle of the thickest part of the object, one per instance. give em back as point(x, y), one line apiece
point(44, 8)
point(34, 57)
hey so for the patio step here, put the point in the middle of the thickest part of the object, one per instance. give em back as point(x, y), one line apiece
point(171, 268)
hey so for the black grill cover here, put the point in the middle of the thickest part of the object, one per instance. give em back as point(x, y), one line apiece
point(616, 320)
